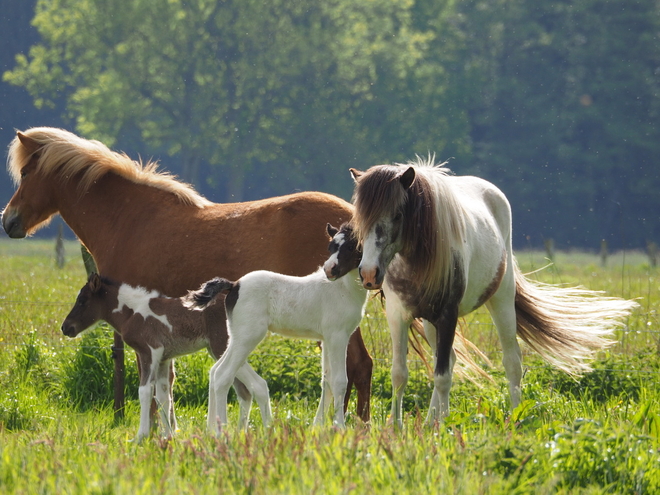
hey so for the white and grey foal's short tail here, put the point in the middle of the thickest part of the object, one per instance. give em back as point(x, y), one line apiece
point(567, 325)
point(206, 294)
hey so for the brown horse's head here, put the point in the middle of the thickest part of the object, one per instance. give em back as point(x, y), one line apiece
point(32, 205)
point(91, 304)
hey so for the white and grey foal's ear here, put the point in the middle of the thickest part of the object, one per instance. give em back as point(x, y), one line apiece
point(407, 178)
point(332, 231)
point(356, 174)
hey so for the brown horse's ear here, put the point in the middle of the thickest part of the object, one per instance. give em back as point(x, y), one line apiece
point(94, 282)
point(28, 143)
point(356, 174)
point(407, 178)
point(332, 231)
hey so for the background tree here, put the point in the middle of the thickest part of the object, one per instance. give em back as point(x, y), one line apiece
point(555, 102)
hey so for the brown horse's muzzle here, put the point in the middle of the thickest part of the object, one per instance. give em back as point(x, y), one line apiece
point(11, 222)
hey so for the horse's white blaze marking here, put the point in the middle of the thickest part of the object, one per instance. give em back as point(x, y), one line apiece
point(370, 253)
point(137, 299)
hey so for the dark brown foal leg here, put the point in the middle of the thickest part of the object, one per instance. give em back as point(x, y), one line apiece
point(359, 367)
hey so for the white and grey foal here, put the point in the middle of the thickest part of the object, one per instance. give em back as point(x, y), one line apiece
point(326, 305)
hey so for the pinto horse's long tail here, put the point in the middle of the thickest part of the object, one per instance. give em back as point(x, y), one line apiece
point(207, 293)
point(567, 325)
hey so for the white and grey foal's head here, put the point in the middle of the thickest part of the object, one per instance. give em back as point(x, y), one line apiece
point(345, 254)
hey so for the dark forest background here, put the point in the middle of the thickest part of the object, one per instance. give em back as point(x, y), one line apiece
point(555, 102)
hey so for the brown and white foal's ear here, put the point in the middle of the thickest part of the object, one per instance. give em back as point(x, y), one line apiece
point(407, 178)
point(28, 143)
point(332, 231)
point(356, 174)
point(94, 282)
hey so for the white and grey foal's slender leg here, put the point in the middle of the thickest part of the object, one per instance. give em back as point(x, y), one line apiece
point(259, 388)
point(241, 343)
point(336, 351)
point(503, 312)
point(244, 397)
point(439, 406)
point(326, 390)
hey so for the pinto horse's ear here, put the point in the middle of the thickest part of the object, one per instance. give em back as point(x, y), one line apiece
point(407, 178)
point(28, 143)
point(356, 174)
point(332, 231)
point(94, 282)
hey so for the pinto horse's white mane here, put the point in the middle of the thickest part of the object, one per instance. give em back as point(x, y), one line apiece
point(65, 154)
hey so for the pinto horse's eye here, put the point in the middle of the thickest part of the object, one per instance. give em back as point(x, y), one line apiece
point(398, 217)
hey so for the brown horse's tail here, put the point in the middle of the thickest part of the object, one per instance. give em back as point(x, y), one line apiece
point(566, 325)
point(206, 294)
point(466, 366)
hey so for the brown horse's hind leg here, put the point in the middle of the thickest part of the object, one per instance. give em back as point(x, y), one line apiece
point(359, 367)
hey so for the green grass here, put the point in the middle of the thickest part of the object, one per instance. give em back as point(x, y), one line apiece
point(596, 434)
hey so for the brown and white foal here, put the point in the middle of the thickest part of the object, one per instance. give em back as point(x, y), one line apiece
point(159, 329)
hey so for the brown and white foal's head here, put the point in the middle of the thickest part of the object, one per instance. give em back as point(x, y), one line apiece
point(90, 305)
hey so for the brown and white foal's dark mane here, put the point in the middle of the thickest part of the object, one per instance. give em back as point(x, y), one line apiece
point(433, 220)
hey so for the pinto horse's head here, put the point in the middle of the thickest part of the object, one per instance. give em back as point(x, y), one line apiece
point(88, 308)
point(32, 204)
point(380, 211)
point(345, 254)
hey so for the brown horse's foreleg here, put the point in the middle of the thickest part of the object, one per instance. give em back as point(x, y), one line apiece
point(359, 367)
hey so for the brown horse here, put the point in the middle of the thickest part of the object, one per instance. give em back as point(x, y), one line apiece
point(147, 229)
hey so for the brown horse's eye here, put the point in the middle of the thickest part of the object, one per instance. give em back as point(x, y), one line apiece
point(23, 173)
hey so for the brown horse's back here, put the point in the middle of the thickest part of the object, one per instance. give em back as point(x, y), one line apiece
point(177, 248)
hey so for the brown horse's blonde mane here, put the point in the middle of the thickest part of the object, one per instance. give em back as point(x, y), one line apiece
point(64, 154)
point(434, 220)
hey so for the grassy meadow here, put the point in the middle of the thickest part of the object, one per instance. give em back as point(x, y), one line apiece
point(596, 434)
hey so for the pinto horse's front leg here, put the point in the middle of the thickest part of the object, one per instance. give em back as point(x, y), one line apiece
point(440, 335)
point(439, 407)
point(399, 320)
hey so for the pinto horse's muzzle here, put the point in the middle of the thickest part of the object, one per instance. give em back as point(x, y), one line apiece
point(372, 278)
point(12, 224)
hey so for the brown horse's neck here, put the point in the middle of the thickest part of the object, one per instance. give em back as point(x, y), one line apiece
point(107, 216)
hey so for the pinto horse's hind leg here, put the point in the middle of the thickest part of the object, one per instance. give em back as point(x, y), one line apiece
point(359, 367)
point(502, 310)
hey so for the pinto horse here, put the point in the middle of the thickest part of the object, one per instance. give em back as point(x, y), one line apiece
point(440, 247)
point(147, 229)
